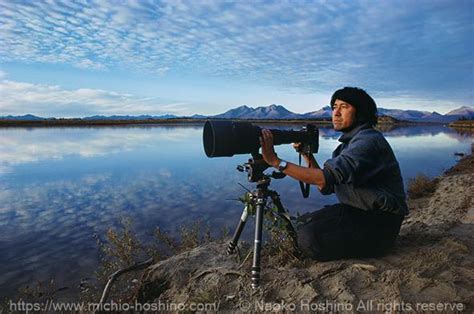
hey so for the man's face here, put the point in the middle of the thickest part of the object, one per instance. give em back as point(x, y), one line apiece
point(343, 115)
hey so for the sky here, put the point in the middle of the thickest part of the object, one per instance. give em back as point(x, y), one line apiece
point(83, 58)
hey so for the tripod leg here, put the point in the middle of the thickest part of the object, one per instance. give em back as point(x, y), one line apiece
point(238, 231)
point(258, 243)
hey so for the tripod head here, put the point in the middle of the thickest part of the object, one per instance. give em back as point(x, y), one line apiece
point(255, 168)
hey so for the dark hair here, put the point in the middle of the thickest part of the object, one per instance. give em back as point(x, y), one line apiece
point(366, 109)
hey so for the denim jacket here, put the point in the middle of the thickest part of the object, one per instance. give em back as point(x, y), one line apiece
point(364, 173)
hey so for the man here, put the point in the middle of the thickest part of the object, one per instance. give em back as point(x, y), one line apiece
point(364, 174)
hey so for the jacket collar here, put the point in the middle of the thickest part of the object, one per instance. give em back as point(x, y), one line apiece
point(346, 137)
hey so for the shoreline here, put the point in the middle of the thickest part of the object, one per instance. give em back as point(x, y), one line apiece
point(430, 265)
point(437, 223)
point(159, 122)
point(462, 124)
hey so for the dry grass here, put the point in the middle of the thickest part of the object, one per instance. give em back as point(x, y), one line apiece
point(120, 248)
point(465, 165)
point(421, 186)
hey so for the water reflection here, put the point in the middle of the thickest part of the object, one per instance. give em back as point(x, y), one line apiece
point(60, 186)
point(20, 145)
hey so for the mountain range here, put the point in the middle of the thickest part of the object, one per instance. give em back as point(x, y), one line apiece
point(280, 112)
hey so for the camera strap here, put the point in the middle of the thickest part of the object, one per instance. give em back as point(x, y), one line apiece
point(304, 186)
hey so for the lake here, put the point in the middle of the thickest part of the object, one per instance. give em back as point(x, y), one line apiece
point(61, 186)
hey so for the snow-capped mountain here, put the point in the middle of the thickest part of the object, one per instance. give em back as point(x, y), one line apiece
point(322, 113)
point(280, 112)
point(270, 112)
point(464, 111)
point(413, 115)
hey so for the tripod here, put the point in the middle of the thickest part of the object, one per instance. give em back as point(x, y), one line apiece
point(257, 201)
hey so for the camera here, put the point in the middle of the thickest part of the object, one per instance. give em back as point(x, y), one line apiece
point(229, 138)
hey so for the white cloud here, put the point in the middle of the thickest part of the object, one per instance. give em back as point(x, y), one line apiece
point(389, 46)
point(409, 102)
point(165, 173)
point(89, 64)
point(230, 36)
point(49, 100)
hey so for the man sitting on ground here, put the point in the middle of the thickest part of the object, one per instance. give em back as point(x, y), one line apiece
point(364, 174)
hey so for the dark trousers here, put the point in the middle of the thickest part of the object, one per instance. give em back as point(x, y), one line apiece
point(341, 231)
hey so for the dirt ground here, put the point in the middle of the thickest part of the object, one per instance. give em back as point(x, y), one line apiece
point(430, 269)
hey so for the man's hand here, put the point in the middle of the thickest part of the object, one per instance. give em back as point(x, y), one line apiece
point(310, 160)
point(312, 175)
point(268, 151)
point(298, 147)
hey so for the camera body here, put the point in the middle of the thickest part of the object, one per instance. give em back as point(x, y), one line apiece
point(229, 138)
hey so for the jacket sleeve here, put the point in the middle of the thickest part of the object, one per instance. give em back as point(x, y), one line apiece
point(329, 186)
point(360, 161)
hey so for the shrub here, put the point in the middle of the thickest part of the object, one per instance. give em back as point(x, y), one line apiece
point(421, 186)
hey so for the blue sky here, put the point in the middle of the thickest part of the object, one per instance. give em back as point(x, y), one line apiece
point(79, 58)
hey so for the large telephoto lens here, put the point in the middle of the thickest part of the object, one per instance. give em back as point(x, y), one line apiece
point(228, 138)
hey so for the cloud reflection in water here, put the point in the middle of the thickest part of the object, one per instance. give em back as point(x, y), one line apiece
point(60, 186)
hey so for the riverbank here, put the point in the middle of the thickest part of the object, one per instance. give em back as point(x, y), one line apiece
point(431, 268)
point(60, 122)
point(134, 122)
point(462, 124)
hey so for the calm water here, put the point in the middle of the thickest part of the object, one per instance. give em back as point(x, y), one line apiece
point(60, 186)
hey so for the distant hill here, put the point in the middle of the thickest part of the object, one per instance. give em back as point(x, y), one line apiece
point(325, 112)
point(280, 112)
point(413, 115)
point(270, 112)
point(198, 116)
point(30, 117)
point(142, 117)
point(26, 117)
point(462, 112)
point(387, 119)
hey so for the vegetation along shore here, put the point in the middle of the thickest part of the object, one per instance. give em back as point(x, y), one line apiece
point(429, 269)
point(384, 120)
point(431, 265)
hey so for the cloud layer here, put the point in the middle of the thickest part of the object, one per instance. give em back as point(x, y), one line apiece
point(418, 47)
point(45, 100)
